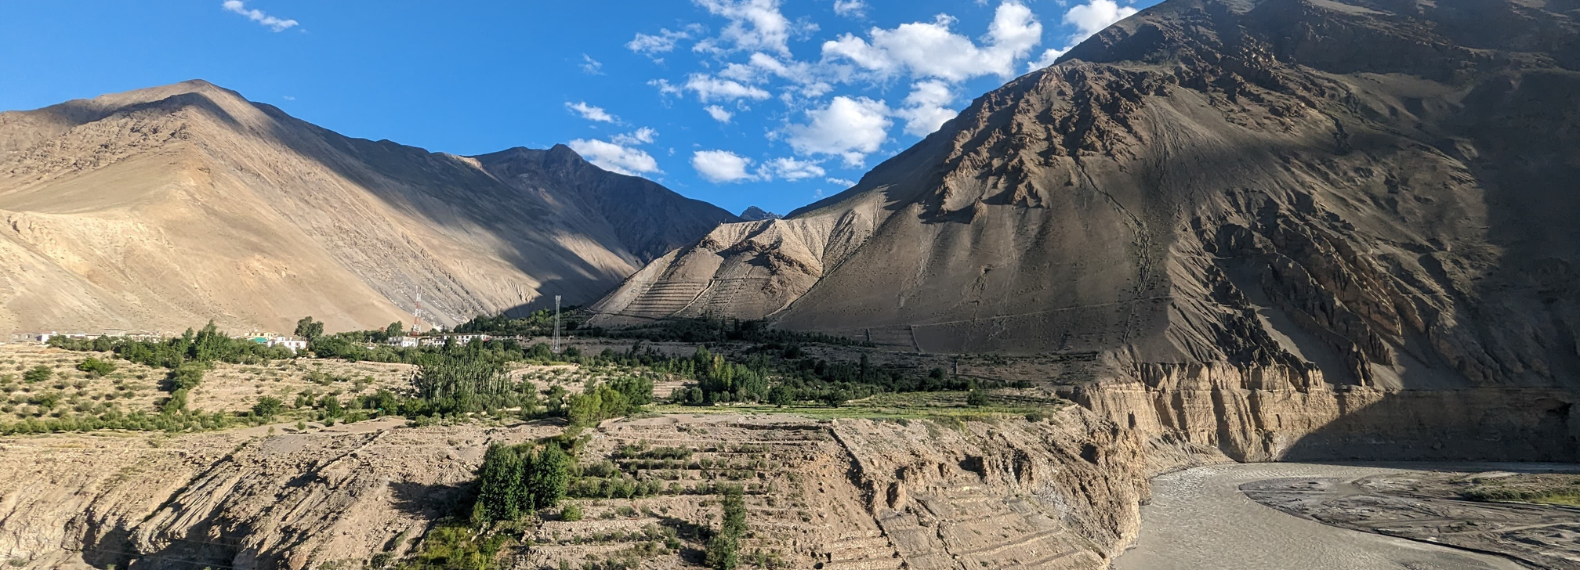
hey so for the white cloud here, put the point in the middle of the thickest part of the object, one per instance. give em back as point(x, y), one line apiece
point(1093, 16)
point(1088, 19)
point(665, 87)
point(590, 112)
point(1048, 57)
point(651, 45)
point(924, 49)
point(754, 25)
point(718, 113)
point(709, 88)
point(850, 8)
point(849, 128)
point(644, 135)
point(790, 169)
point(840, 182)
point(258, 16)
point(615, 158)
point(591, 66)
point(721, 165)
point(924, 109)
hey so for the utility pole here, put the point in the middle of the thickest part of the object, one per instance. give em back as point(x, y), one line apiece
point(556, 324)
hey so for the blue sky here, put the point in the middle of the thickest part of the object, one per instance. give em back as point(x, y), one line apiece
point(771, 103)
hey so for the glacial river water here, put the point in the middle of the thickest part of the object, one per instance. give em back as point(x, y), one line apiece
point(1198, 519)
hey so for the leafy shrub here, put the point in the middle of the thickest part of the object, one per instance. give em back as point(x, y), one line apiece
point(95, 367)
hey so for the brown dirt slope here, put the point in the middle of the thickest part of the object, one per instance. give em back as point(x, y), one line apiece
point(1376, 192)
point(164, 207)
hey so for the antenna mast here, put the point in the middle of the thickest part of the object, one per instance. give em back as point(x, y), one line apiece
point(416, 316)
point(556, 323)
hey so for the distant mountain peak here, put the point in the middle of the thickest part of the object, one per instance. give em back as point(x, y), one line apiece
point(756, 214)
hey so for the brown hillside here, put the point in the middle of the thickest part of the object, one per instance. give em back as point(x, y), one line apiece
point(1380, 191)
point(165, 207)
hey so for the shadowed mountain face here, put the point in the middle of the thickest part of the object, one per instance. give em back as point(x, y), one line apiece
point(1382, 192)
point(165, 207)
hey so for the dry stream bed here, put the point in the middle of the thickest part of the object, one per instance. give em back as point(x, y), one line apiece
point(1296, 516)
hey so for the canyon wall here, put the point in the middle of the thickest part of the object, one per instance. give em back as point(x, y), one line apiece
point(1194, 413)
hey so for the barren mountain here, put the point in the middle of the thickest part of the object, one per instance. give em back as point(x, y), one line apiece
point(1377, 192)
point(165, 207)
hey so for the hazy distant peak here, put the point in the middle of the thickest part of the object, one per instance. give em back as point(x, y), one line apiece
point(754, 213)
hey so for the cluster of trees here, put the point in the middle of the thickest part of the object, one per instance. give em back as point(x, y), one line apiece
point(520, 479)
point(205, 345)
point(539, 323)
point(612, 399)
point(724, 546)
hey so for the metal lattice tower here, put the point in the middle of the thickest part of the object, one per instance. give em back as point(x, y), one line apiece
point(556, 323)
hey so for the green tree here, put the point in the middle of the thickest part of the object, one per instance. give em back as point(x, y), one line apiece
point(395, 329)
point(267, 407)
point(309, 329)
point(977, 398)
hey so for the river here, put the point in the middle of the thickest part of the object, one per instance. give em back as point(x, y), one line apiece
point(1198, 519)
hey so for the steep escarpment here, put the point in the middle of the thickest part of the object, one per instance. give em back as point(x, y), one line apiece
point(845, 494)
point(163, 207)
point(1375, 191)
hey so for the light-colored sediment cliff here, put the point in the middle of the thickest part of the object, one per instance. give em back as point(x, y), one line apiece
point(1206, 413)
point(1064, 492)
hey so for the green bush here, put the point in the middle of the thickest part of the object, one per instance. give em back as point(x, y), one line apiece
point(37, 374)
point(95, 367)
point(267, 407)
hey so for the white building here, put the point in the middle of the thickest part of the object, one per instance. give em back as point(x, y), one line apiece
point(404, 341)
point(293, 343)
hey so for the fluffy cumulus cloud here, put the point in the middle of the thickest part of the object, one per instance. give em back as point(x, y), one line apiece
point(718, 113)
point(753, 25)
point(616, 157)
point(790, 169)
point(850, 8)
point(850, 128)
point(721, 166)
point(1087, 19)
point(924, 109)
point(1093, 16)
point(590, 112)
point(271, 22)
point(932, 49)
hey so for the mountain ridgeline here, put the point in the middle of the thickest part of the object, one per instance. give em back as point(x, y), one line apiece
point(159, 208)
point(1376, 192)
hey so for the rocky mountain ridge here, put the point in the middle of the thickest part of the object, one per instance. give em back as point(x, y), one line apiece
point(1375, 191)
point(164, 207)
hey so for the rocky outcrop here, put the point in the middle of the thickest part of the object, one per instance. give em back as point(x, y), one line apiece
point(1206, 413)
point(232, 500)
point(1064, 492)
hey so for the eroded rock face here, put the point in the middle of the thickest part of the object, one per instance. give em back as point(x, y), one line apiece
point(1378, 191)
point(232, 499)
point(845, 494)
point(1192, 414)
